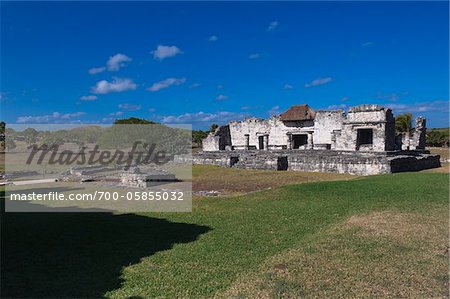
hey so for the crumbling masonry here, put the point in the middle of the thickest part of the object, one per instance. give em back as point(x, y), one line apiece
point(362, 142)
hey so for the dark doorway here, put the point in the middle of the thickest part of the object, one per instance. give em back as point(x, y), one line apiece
point(364, 137)
point(282, 163)
point(261, 142)
point(299, 140)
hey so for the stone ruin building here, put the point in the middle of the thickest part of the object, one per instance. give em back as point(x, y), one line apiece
point(362, 141)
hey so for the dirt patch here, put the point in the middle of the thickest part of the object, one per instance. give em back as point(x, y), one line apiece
point(444, 152)
point(401, 227)
point(445, 168)
point(232, 181)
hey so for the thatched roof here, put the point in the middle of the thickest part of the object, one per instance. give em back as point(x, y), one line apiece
point(297, 113)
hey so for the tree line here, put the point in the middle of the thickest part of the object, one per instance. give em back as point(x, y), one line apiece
point(107, 137)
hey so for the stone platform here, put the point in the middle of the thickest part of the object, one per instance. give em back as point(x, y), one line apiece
point(151, 177)
point(357, 163)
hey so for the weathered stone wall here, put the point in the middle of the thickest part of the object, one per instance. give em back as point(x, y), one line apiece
point(253, 127)
point(347, 140)
point(225, 137)
point(278, 133)
point(343, 163)
point(217, 140)
point(325, 122)
point(331, 129)
point(211, 143)
point(374, 117)
point(219, 158)
point(357, 163)
point(273, 127)
point(419, 136)
point(416, 140)
point(414, 163)
point(390, 132)
point(363, 113)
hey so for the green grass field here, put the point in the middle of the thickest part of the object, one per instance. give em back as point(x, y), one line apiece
point(367, 237)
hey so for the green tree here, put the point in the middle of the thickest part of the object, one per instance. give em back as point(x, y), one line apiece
point(213, 127)
point(438, 137)
point(198, 136)
point(52, 139)
point(133, 120)
point(30, 135)
point(403, 125)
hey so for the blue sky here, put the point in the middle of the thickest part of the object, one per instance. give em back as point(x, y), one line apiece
point(211, 62)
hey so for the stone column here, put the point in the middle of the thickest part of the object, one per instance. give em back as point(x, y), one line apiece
point(247, 141)
point(333, 140)
point(266, 142)
point(289, 141)
point(310, 141)
point(419, 136)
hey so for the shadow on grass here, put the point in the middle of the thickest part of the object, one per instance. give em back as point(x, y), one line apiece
point(79, 255)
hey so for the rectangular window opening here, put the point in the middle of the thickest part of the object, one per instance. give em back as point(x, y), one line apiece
point(299, 140)
point(364, 137)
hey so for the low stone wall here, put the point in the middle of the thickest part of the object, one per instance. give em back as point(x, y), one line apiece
point(408, 163)
point(357, 163)
point(212, 158)
point(353, 164)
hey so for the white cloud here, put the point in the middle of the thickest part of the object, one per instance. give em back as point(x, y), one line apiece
point(275, 110)
point(367, 44)
point(195, 85)
point(221, 97)
point(432, 106)
point(118, 113)
point(272, 26)
point(88, 98)
point(55, 117)
point(219, 86)
point(106, 120)
point(345, 99)
point(130, 107)
point(152, 110)
point(254, 55)
point(250, 107)
point(319, 81)
point(71, 115)
point(337, 107)
point(213, 38)
point(117, 61)
point(166, 83)
point(113, 64)
point(96, 70)
point(287, 86)
point(201, 117)
point(391, 97)
point(6, 96)
point(163, 52)
point(117, 85)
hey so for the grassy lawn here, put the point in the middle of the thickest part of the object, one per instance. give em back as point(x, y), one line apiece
point(367, 237)
point(233, 181)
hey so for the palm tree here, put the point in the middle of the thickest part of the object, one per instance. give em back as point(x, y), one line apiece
point(403, 125)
